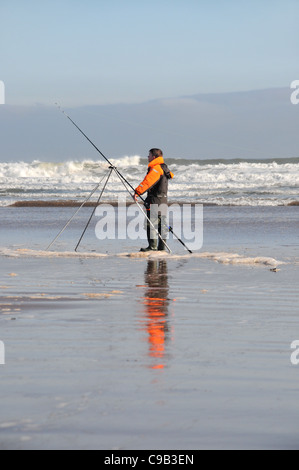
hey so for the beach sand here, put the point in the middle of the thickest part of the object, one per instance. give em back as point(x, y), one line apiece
point(109, 351)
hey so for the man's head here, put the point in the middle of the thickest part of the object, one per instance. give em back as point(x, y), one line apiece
point(154, 153)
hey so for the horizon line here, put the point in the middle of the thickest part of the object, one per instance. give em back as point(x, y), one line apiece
point(130, 103)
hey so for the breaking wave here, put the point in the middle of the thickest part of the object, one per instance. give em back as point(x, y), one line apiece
point(272, 182)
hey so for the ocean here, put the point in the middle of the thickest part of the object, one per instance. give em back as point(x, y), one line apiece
point(273, 182)
point(110, 349)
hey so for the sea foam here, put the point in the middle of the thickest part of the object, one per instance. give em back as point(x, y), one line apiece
point(235, 182)
point(221, 257)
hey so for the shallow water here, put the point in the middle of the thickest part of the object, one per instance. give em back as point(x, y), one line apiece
point(133, 353)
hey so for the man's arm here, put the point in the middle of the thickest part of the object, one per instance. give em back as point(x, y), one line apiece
point(149, 181)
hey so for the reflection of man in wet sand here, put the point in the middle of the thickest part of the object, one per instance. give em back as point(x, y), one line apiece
point(156, 302)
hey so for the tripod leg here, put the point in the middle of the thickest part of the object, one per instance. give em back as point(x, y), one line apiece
point(104, 187)
point(68, 223)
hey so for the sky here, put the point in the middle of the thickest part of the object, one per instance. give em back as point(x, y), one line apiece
point(131, 51)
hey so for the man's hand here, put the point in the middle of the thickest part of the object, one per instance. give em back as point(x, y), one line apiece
point(135, 197)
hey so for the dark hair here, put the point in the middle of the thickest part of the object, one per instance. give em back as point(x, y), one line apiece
point(156, 153)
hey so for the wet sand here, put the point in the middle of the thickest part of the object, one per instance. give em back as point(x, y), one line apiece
point(117, 352)
point(140, 354)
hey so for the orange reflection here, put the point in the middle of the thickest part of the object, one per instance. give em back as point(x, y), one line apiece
point(156, 304)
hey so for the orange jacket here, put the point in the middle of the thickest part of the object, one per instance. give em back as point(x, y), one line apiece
point(155, 171)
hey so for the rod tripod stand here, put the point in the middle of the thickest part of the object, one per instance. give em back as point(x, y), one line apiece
point(125, 183)
point(111, 169)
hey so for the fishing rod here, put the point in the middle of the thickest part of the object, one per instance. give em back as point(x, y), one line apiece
point(97, 149)
point(170, 229)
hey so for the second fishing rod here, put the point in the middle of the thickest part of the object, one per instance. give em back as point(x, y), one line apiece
point(170, 229)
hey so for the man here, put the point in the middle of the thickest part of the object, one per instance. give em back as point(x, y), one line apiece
point(156, 185)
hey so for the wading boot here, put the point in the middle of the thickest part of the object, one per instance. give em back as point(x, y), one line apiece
point(152, 246)
point(162, 246)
